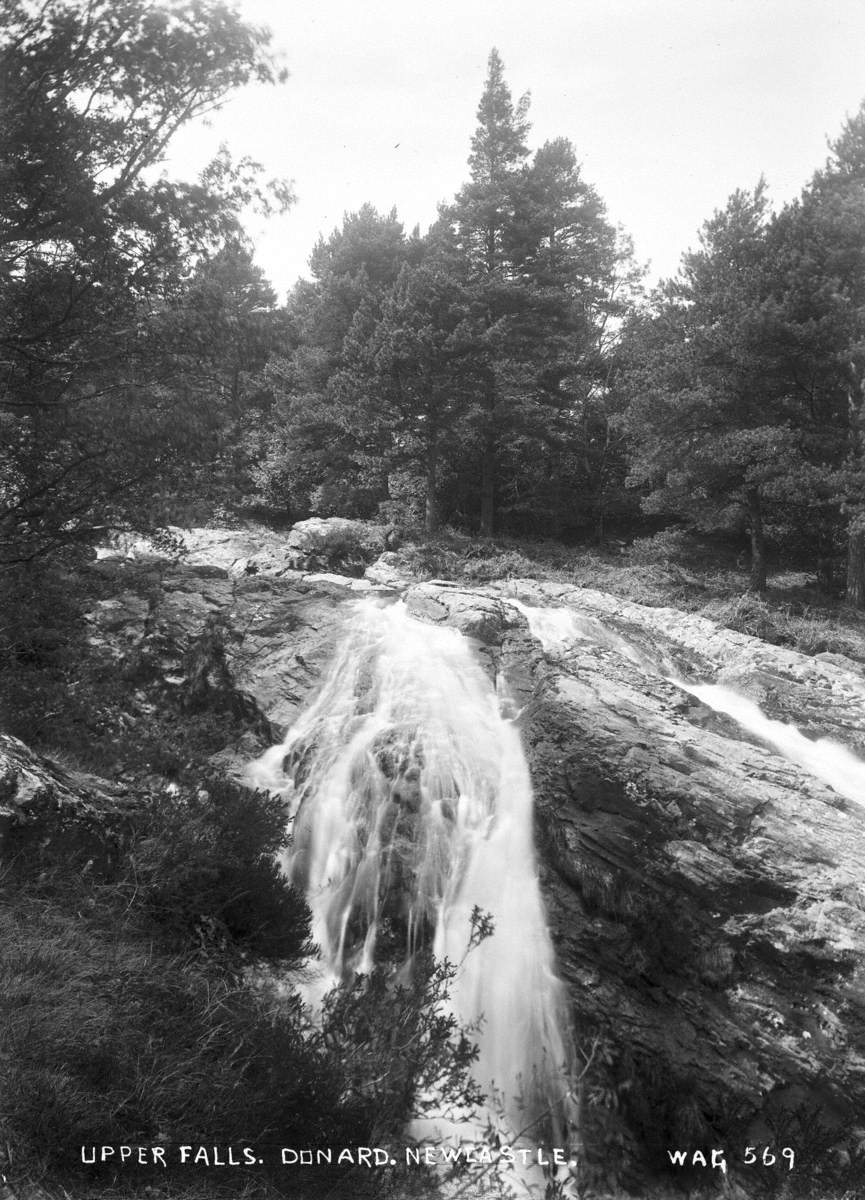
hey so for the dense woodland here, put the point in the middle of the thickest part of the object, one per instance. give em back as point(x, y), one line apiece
point(503, 372)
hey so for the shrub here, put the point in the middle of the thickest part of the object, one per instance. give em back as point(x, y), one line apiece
point(42, 640)
point(398, 1042)
point(107, 1039)
point(753, 616)
point(128, 1014)
point(504, 564)
point(667, 546)
point(205, 862)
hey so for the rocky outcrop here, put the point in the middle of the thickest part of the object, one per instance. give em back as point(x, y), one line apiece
point(334, 543)
point(823, 695)
point(250, 644)
point(706, 894)
point(477, 616)
point(230, 622)
point(43, 799)
point(28, 781)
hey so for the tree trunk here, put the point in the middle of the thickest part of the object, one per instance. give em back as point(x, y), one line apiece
point(826, 564)
point(600, 524)
point(488, 486)
point(488, 462)
point(431, 516)
point(758, 542)
point(556, 506)
point(856, 530)
point(856, 564)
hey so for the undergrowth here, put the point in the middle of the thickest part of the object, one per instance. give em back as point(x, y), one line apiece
point(138, 985)
point(148, 941)
point(136, 1009)
point(671, 569)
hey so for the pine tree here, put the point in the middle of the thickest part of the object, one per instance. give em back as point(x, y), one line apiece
point(320, 456)
point(578, 282)
point(542, 265)
point(822, 241)
point(477, 232)
point(413, 376)
point(710, 427)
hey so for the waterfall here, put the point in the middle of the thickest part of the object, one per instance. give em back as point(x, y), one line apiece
point(558, 628)
point(412, 807)
point(824, 759)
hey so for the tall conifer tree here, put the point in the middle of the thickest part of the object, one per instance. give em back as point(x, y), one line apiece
point(481, 224)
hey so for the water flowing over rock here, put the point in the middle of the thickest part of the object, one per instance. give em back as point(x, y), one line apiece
point(708, 892)
point(413, 821)
point(703, 882)
point(705, 892)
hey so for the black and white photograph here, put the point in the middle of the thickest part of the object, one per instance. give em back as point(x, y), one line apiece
point(432, 600)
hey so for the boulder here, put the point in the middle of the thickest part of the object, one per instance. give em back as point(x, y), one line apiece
point(388, 572)
point(336, 543)
point(478, 616)
point(43, 799)
point(250, 550)
point(320, 544)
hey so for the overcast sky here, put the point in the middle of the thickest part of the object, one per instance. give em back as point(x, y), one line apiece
point(671, 105)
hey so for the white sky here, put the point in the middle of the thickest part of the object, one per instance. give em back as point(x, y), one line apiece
point(671, 105)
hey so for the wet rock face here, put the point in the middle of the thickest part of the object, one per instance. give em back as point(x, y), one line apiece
point(43, 801)
point(477, 616)
point(706, 896)
point(824, 696)
point(251, 645)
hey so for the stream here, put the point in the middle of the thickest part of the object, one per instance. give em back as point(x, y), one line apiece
point(412, 817)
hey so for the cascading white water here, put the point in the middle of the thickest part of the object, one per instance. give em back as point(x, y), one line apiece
point(413, 806)
point(557, 628)
point(822, 758)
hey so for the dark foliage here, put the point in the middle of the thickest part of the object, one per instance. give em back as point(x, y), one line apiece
point(102, 420)
point(205, 863)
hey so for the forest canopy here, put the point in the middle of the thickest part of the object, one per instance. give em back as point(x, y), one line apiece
point(117, 381)
point(503, 372)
